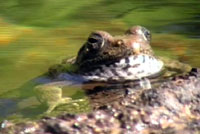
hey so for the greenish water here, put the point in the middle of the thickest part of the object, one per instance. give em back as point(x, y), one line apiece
point(37, 34)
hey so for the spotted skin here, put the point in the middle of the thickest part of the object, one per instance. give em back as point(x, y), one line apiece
point(129, 68)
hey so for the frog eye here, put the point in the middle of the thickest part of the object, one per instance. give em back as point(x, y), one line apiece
point(92, 40)
point(147, 34)
point(95, 42)
point(140, 30)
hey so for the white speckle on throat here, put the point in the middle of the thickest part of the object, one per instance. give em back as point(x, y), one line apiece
point(130, 68)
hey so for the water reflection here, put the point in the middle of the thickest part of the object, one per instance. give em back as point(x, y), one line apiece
point(190, 29)
point(7, 107)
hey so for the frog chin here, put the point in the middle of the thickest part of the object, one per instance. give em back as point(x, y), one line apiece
point(130, 68)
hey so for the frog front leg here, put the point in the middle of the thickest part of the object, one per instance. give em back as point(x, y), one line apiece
point(53, 105)
point(51, 96)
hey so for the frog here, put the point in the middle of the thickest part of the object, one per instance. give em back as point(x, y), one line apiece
point(105, 58)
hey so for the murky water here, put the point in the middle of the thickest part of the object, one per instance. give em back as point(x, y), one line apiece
point(36, 34)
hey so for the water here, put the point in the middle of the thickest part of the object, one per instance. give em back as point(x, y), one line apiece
point(37, 34)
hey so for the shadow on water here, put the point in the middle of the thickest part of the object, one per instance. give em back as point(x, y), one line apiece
point(12, 102)
point(189, 27)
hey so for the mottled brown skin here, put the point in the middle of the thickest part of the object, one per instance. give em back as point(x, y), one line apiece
point(114, 48)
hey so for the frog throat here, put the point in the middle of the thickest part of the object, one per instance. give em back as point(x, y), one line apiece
point(130, 68)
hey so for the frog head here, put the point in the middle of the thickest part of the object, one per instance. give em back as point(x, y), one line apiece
point(104, 57)
point(103, 48)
